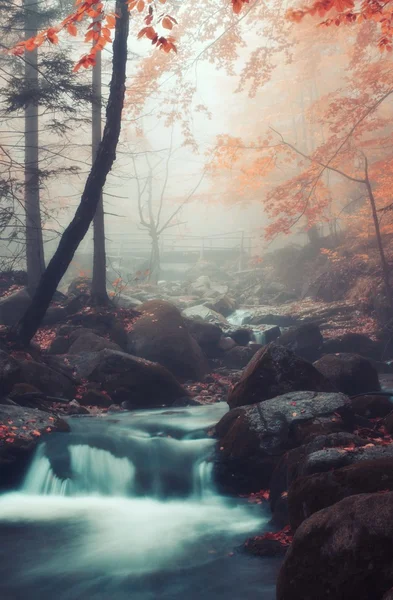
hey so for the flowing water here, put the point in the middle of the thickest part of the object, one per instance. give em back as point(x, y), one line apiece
point(238, 318)
point(124, 507)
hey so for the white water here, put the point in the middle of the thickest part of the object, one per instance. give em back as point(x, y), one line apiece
point(122, 505)
point(238, 317)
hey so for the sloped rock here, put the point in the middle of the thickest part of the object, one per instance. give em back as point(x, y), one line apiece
point(273, 371)
point(342, 552)
point(349, 373)
point(54, 315)
point(160, 335)
point(253, 438)
point(309, 494)
point(104, 324)
point(242, 336)
point(47, 380)
point(13, 307)
point(353, 343)
point(90, 342)
point(224, 305)
point(206, 334)
point(138, 382)
point(206, 314)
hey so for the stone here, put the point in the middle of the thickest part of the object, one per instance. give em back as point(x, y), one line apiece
point(59, 345)
point(224, 305)
point(253, 438)
point(353, 343)
point(372, 406)
point(123, 301)
point(309, 494)
point(104, 324)
point(136, 381)
point(96, 398)
point(160, 335)
point(273, 371)
point(79, 285)
point(226, 343)
point(239, 356)
point(349, 373)
point(54, 315)
point(342, 552)
point(48, 381)
point(305, 340)
point(201, 311)
point(206, 334)
point(242, 336)
point(13, 307)
point(90, 342)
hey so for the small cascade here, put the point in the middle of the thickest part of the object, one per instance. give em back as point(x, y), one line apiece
point(238, 317)
point(125, 506)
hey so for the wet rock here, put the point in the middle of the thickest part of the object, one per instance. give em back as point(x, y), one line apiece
point(96, 398)
point(269, 319)
point(138, 382)
point(21, 429)
point(47, 380)
point(253, 438)
point(242, 336)
point(275, 370)
point(309, 494)
point(160, 335)
point(239, 356)
point(305, 340)
point(349, 373)
point(90, 342)
point(272, 334)
point(344, 551)
point(59, 345)
point(372, 406)
point(293, 464)
point(74, 408)
point(123, 301)
point(13, 307)
point(264, 547)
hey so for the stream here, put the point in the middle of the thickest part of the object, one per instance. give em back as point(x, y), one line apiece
point(124, 507)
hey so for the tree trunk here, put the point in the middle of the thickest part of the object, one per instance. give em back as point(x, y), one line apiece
point(35, 261)
point(155, 266)
point(99, 292)
point(384, 264)
point(84, 215)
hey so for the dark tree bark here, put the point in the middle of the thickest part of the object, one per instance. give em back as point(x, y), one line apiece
point(84, 215)
point(35, 262)
point(99, 292)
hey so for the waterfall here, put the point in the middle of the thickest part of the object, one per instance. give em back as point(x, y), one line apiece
point(125, 506)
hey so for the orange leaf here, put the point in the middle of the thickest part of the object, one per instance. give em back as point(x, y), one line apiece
point(167, 23)
point(141, 5)
point(110, 21)
point(36, 433)
point(71, 28)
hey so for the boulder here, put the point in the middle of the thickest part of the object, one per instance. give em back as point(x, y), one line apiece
point(9, 372)
point(256, 318)
point(239, 356)
point(47, 380)
point(12, 307)
point(372, 406)
point(305, 340)
point(90, 342)
point(293, 463)
point(353, 343)
point(273, 371)
point(206, 314)
point(136, 381)
point(253, 438)
point(79, 285)
point(59, 345)
point(96, 398)
point(160, 335)
point(271, 334)
point(104, 324)
point(123, 301)
point(242, 336)
point(26, 427)
point(223, 305)
point(54, 315)
point(309, 494)
point(349, 373)
point(206, 334)
point(342, 552)
point(226, 344)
